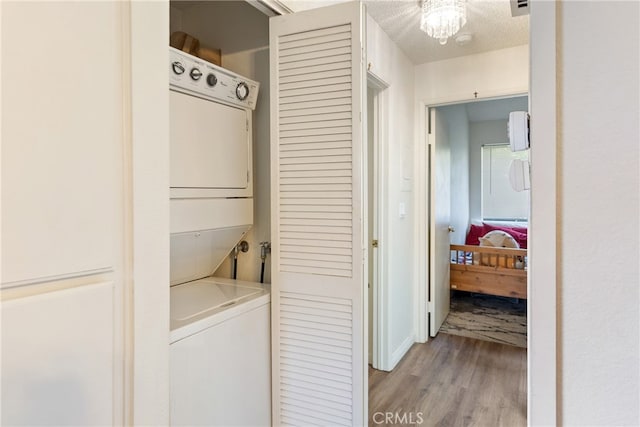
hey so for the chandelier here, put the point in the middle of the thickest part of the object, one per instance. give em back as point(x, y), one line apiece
point(441, 19)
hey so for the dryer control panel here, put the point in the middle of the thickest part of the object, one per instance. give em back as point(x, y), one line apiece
point(197, 76)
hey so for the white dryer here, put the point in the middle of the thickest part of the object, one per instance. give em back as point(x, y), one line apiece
point(210, 163)
point(210, 129)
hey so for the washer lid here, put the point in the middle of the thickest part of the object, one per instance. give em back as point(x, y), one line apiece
point(192, 299)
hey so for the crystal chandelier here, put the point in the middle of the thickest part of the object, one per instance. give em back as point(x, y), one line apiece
point(441, 19)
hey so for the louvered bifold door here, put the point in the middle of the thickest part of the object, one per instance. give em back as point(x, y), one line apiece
point(317, 79)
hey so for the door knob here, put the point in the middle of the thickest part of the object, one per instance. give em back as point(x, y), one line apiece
point(451, 229)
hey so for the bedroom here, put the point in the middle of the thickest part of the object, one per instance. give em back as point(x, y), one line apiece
point(487, 301)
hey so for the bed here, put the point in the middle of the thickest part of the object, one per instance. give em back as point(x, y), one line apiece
point(489, 270)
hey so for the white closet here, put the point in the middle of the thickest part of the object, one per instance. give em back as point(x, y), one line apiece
point(70, 351)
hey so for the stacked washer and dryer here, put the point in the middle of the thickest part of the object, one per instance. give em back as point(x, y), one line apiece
point(220, 328)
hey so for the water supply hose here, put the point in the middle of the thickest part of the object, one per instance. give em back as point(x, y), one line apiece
point(243, 246)
point(234, 264)
point(265, 248)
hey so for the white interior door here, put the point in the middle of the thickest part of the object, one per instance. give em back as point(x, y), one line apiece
point(319, 255)
point(440, 188)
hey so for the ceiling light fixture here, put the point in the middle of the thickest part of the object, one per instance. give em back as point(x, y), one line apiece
point(441, 19)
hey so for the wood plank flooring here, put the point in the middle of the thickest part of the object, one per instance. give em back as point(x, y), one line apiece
point(452, 381)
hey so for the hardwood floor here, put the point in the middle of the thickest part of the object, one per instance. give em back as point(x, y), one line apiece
point(452, 381)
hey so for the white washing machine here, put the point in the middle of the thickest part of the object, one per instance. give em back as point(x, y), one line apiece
point(220, 328)
point(220, 353)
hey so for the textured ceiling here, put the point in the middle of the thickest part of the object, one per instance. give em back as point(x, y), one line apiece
point(488, 21)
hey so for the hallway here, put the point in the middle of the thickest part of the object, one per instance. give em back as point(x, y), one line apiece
point(452, 381)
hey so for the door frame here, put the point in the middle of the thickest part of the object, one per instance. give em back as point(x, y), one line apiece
point(423, 197)
point(381, 356)
point(146, 362)
point(542, 335)
point(424, 181)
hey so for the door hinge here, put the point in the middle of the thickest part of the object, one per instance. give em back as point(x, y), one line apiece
point(430, 307)
point(374, 243)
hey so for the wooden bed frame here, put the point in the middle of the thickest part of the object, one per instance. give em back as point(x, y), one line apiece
point(489, 270)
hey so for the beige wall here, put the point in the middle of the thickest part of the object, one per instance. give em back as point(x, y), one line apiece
point(598, 192)
point(490, 74)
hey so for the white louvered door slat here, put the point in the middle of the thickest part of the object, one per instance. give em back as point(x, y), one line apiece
point(303, 105)
point(317, 81)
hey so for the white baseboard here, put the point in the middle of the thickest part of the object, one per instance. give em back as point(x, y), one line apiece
point(399, 352)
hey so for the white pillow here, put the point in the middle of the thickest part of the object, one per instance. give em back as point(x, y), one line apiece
point(499, 239)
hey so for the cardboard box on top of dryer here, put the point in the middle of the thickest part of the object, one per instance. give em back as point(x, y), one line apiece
point(191, 45)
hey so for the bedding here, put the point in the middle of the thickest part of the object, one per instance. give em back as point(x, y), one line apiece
point(499, 239)
point(479, 230)
point(491, 270)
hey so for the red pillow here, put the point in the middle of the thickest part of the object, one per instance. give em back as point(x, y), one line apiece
point(475, 232)
point(523, 230)
point(515, 232)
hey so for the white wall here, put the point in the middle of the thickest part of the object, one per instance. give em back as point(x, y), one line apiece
point(459, 136)
point(390, 64)
point(242, 33)
point(598, 212)
point(490, 74)
point(480, 133)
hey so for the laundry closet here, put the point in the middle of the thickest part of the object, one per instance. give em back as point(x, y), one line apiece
point(241, 33)
point(220, 337)
point(308, 169)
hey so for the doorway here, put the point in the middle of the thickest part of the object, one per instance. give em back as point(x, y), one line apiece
point(463, 204)
point(485, 211)
point(375, 138)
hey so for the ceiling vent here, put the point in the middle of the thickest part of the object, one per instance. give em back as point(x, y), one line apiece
point(519, 7)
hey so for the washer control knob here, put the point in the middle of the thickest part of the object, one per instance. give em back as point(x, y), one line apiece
point(242, 91)
point(178, 68)
point(195, 74)
point(212, 80)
